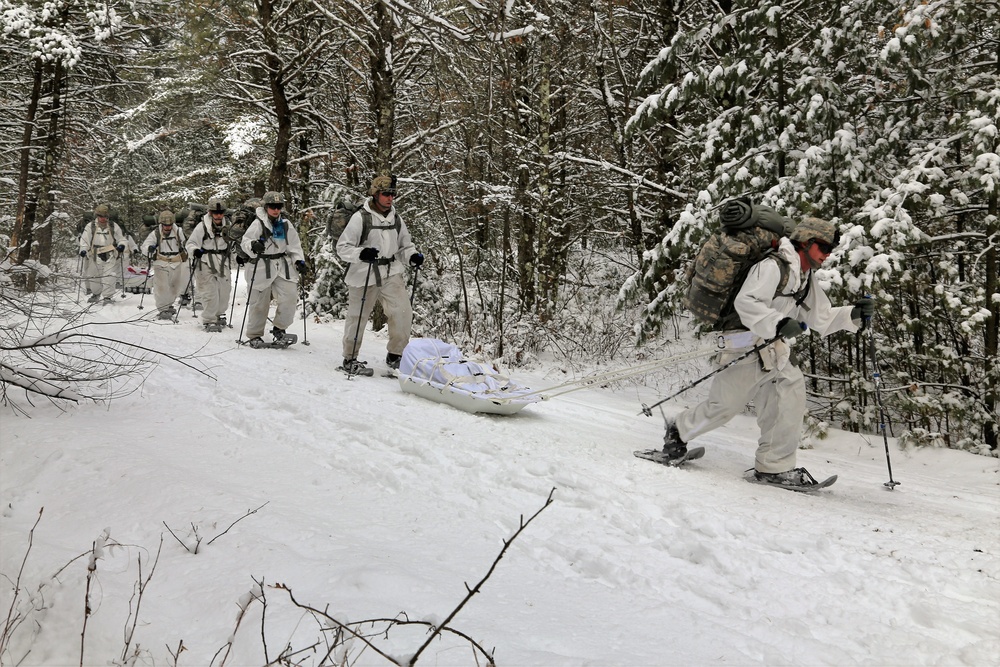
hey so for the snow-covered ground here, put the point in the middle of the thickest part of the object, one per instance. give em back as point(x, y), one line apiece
point(373, 503)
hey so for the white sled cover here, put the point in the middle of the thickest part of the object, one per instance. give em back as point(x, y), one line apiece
point(439, 371)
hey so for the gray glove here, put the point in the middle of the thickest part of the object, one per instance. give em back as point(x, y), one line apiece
point(863, 310)
point(789, 328)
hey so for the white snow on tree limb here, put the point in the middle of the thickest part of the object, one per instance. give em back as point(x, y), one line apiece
point(28, 380)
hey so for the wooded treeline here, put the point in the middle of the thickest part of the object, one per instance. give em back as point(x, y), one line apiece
point(528, 136)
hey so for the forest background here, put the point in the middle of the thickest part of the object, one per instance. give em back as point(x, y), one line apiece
point(559, 161)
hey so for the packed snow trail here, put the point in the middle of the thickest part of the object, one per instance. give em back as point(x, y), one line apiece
point(379, 501)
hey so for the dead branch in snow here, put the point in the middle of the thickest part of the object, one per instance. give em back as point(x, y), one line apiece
point(14, 616)
point(198, 538)
point(347, 631)
point(50, 350)
point(137, 593)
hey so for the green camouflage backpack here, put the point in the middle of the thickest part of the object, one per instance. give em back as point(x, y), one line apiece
point(749, 234)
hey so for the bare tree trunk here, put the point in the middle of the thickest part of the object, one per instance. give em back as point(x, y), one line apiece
point(278, 179)
point(383, 106)
point(24, 167)
point(383, 102)
point(42, 238)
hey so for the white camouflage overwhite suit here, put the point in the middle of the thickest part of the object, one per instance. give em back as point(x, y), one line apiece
point(170, 268)
point(775, 385)
point(102, 274)
point(213, 275)
point(273, 275)
point(385, 281)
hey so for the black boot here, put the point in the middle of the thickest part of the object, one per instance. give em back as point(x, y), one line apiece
point(673, 446)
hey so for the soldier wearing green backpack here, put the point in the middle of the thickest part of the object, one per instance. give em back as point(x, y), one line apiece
point(377, 246)
point(779, 298)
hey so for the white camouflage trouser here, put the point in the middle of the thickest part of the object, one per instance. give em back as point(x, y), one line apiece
point(285, 294)
point(169, 280)
point(103, 276)
point(779, 397)
point(395, 303)
point(212, 292)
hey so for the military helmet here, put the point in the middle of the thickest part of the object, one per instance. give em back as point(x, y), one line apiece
point(253, 204)
point(166, 217)
point(215, 205)
point(386, 184)
point(815, 228)
point(273, 197)
point(102, 209)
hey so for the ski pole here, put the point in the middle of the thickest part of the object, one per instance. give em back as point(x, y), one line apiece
point(253, 276)
point(302, 293)
point(121, 265)
point(357, 330)
point(149, 268)
point(648, 409)
point(232, 308)
point(79, 283)
point(177, 313)
point(413, 292)
point(195, 265)
point(877, 380)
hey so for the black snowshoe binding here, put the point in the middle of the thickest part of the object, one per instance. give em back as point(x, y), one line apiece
point(673, 458)
point(796, 479)
point(392, 360)
point(213, 327)
point(675, 451)
point(281, 340)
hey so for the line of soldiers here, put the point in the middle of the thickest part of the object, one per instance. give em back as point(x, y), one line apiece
point(261, 237)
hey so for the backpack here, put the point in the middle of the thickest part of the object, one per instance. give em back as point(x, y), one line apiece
point(749, 234)
point(342, 214)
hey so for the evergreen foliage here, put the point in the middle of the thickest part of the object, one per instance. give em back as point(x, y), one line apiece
point(530, 138)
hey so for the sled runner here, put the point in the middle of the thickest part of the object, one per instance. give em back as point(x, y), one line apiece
point(438, 371)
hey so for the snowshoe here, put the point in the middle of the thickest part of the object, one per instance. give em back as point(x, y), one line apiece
point(674, 459)
point(213, 327)
point(797, 479)
point(282, 339)
point(355, 367)
point(277, 344)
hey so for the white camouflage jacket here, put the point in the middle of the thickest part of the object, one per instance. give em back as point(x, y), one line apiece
point(760, 308)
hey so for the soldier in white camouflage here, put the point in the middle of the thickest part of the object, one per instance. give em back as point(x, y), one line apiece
point(771, 378)
point(165, 247)
point(102, 245)
point(208, 246)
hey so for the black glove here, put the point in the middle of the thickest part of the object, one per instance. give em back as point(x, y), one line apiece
point(121, 247)
point(863, 310)
point(300, 265)
point(241, 260)
point(369, 254)
point(150, 250)
point(83, 253)
point(257, 247)
point(103, 256)
point(417, 259)
point(789, 328)
point(198, 252)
